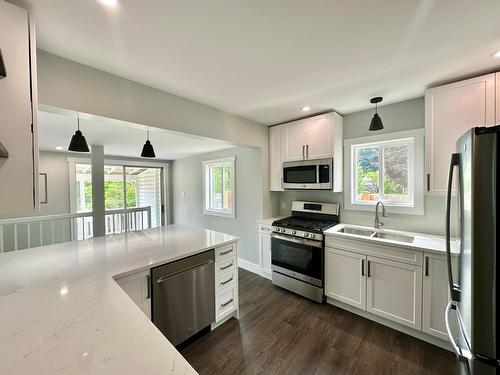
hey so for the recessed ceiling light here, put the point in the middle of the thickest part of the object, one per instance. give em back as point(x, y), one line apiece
point(63, 291)
point(109, 3)
point(59, 148)
point(306, 109)
point(496, 54)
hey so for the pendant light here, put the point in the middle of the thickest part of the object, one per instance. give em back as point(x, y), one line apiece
point(376, 123)
point(147, 149)
point(78, 142)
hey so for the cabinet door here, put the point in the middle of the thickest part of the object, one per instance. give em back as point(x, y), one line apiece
point(18, 172)
point(436, 294)
point(265, 251)
point(138, 288)
point(497, 107)
point(294, 139)
point(394, 291)
point(345, 278)
point(450, 111)
point(275, 158)
point(319, 141)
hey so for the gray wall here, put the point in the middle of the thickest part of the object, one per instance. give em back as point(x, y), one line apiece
point(396, 117)
point(68, 85)
point(187, 177)
point(55, 164)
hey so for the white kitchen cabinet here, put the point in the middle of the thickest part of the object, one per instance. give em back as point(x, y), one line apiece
point(316, 137)
point(138, 288)
point(497, 106)
point(18, 98)
point(226, 281)
point(436, 294)
point(394, 291)
point(275, 158)
point(345, 277)
point(451, 110)
point(265, 249)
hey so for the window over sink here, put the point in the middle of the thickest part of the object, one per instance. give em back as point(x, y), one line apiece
point(218, 186)
point(388, 168)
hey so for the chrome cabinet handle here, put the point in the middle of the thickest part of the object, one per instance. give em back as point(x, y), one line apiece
point(227, 281)
point(226, 303)
point(307, 151)
point(426, 266)
point(369, 273)
point(148, 281)
point(362, 267)
point(226, 267)
point(226, 252)
point(428, 182)
point(303, 151)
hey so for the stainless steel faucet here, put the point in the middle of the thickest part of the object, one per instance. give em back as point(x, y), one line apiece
point(379, 223)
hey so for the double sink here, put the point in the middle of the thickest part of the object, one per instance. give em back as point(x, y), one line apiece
point(377, 234)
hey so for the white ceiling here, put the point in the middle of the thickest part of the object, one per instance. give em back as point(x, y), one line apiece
point(119, 138)
point(264, 60)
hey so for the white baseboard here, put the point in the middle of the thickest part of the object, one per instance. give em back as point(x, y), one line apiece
point(249, 266)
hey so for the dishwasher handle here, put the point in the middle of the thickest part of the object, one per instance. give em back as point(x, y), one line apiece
point(166, 277)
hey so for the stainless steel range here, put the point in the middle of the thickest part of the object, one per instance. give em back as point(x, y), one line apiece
point(297, 248)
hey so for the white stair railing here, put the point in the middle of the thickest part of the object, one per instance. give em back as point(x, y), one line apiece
point(27, 232)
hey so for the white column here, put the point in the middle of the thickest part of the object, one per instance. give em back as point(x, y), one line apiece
point(98, 210)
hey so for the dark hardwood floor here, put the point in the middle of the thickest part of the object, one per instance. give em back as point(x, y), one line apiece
point(282, 333)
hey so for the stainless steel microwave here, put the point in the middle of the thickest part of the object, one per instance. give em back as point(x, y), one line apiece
point(308, 174)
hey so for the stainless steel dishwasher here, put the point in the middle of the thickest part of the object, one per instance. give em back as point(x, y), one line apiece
point(184, 296)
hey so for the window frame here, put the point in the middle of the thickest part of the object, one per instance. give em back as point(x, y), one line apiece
point(415, 141)
point(207, 187)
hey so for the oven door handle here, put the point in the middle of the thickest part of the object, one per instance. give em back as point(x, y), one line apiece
point(298, 240)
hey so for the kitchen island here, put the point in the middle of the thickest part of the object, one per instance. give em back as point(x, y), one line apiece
point(63, 312)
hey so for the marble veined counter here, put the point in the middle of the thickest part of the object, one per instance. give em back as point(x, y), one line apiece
point(61, 312)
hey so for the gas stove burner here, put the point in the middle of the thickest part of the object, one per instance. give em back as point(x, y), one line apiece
point(305, 224)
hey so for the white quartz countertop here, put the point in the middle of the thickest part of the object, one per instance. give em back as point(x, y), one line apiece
point(269, 220)
point(61, 312)
point(425, 242)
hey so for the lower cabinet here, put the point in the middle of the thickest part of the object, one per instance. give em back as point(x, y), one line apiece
point(226, 281)
point(436, 294)
point(138, 288)
point(394, 291)
point(345, 277)
point(265, 249)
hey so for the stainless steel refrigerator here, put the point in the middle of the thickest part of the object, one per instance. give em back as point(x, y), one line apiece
point(473, 314)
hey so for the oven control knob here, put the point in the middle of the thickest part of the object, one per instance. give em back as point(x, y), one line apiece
point(312, 236)
point(306, 234)
point(294, 232)
point(282, 230)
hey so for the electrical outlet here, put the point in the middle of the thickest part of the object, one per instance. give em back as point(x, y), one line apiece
point(283, 205)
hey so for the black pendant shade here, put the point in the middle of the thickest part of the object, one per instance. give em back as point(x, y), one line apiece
point(78, 142)
point(147, 149)
point(376, 123)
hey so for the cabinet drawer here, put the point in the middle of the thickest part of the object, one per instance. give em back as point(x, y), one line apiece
point(225, 279)
point(226, 301)
point(225, 251)
point(224, 266)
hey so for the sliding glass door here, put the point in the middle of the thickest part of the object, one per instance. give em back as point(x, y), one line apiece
point(133, 198)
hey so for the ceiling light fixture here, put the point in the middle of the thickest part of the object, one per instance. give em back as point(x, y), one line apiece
point(78, 142)
point(306, 109)
point(496, 54)
point(109, 3)
point(147, 149)
point(376, 123)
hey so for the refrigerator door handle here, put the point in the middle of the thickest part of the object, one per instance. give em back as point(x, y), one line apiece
point(463, 355)
point(454, 288)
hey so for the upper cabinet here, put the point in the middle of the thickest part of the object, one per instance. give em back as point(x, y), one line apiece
point(451, 110)
point(317, 137)
point(18, 131)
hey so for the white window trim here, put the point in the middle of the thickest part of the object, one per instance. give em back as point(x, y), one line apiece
point(416, 177)
point(206, 192)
